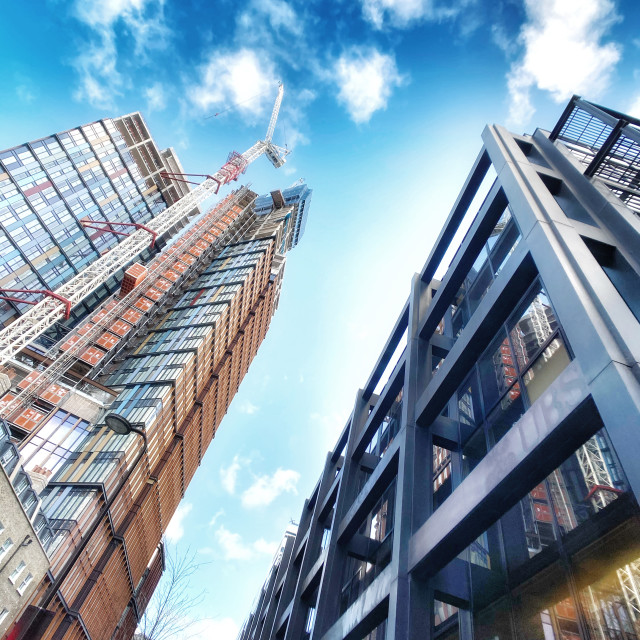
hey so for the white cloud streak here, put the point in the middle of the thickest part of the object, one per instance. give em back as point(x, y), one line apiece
point(175, 530)
point(403, 13)
point(563, 53)
point(248, 407)
point(97, 65)
point(229, 475)
point(365, 78)
point(156, 97)
point(218, 628)
point(243, 79)
point(280, 15)
point(266, 488)
point(234, 548)
point(634, 107)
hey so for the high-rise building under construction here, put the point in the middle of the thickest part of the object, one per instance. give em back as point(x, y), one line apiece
point(103, 432)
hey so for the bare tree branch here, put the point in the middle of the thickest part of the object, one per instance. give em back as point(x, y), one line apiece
point(168, 614)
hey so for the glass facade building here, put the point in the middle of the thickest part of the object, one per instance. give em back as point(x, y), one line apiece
point(110, 170)
point(486, 484)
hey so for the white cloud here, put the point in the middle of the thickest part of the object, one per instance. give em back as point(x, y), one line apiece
point(156, 98)
point(244, 79)
point(218, 514)
point(175, 530)
point(402, 13)
point(563, 53)
point(232, 545)
point(220, 629)
point(280, 15)
point(365, 79)
point(100, 81)
point(234, 548)
point(25, 94)
point(634, 107)
point(229, 475)
point(97, 64)
point(248, 408)
point(292, 119)
point(266, 489)
point(268, 548)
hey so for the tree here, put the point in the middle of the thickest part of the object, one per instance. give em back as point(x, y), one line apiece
point(168, 613)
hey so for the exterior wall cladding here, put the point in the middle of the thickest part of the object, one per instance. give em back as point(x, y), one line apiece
point(168, 356)
point(490, 490)
point(106, 170)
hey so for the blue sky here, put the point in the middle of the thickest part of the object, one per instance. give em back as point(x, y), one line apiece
point(384, 105)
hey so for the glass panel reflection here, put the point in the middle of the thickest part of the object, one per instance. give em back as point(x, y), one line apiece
point(532, 328)
point(584, 484)
point(546, 368)
point(608, 579)
point(544, 608)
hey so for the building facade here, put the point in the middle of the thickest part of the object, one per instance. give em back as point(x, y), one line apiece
point(110, 170)
point(490, 489)
point(163, 359)
point(23, 561)
point(294, 202)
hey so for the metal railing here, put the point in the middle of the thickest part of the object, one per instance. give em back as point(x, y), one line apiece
point(608, 143)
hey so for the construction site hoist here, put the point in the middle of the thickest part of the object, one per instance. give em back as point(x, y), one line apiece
point(24, 330)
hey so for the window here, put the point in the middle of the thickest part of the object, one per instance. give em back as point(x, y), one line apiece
point(524, 358)
point(4, 548)
point(1, 527)
point(17, 571)
point(25, 583)
point(488, 264)
point(311, 618)
point(3, 614)
point(326, 536)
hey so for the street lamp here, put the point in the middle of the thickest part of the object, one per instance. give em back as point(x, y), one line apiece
point(120, 425)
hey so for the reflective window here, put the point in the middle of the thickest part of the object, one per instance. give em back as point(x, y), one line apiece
point(579, 512)
point(490, 260)
point(523, 359)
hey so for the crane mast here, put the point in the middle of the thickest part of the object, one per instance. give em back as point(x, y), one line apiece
point(23, 331)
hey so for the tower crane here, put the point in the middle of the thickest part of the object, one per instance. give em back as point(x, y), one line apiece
point(23, 331)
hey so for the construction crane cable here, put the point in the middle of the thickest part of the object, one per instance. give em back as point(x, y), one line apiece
point(237, 104)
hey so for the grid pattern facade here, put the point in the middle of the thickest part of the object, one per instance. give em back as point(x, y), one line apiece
point(489, 490)
point(167, 355)
point(48, 186)
point(295, 204)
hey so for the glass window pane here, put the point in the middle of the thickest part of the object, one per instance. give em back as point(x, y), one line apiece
point(497, 371)
point(532, 326)
point(477, 266)
point(505, 247)
point(469, 407)
point(546, 368)
point(608, 577)
point(493, 623)
point(479, 287)
point(506, 414)
point(473, 450)
point(545, 611)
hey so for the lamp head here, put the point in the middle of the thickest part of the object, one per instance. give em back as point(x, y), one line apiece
point(118, 424)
